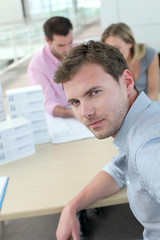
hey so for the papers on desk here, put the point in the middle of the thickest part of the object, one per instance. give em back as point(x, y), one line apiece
point(2, 110)
point(63, 130)
point(3, 186)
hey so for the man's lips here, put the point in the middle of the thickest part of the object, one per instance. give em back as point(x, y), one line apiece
point(95, 124)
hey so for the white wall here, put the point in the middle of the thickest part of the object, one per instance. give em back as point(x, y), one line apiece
point(143, 16)
point(11, 11)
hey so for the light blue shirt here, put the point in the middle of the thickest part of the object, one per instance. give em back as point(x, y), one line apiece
point(137, 164)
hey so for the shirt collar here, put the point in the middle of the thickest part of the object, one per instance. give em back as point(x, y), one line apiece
point(51, 56)
point(140, 104)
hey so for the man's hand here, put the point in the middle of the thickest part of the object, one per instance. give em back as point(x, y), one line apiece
point(68, 227)
point(101, 186)
point(61, 111)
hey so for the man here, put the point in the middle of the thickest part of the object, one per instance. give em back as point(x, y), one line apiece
point(59, 39)
point(100, 88)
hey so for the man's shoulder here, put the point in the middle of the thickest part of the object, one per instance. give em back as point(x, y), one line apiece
point(74, 44)
point(41, 59)
point(147, 125)
point(37, 58)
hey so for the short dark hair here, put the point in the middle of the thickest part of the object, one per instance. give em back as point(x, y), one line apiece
point(107, 56)
point(57, 25)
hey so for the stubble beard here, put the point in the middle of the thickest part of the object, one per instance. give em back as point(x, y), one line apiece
point(112, 127)
point(103, 134)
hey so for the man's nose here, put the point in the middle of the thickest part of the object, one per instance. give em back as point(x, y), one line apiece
point(67, 48)
point(87, 110)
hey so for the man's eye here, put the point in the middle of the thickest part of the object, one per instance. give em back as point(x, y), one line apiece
point(95, 92)
point(75, 102)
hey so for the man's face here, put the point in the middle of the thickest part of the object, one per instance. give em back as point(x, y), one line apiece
point(60, 45)
point(98, 100)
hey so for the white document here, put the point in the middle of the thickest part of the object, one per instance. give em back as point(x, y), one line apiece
point(66, 129)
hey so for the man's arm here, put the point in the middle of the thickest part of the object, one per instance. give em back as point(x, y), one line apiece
point(54, 99)
point(60, 111)
point(37, 77)
point(101, 186)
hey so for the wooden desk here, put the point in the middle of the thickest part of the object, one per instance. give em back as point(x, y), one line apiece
point(43, 183)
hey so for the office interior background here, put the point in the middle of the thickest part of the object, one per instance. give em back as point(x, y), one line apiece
point(21, 35)
point(21, 22)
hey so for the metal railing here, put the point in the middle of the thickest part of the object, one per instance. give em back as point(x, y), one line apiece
point(22, 40)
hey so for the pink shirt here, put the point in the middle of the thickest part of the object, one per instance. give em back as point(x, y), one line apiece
point(41, 72)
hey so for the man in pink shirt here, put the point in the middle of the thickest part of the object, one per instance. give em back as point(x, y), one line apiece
point(59, 39)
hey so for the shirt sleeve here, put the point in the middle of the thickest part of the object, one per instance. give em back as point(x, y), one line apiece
point(148, 166)
point(51, 99)
point(117, 168)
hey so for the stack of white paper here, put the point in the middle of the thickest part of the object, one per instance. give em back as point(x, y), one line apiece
point(28, 102)
point(2, 111)
point(66, 129)
point(16, 139)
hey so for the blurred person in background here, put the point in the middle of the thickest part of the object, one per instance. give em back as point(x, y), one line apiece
point(142, 60)
point(59, 40)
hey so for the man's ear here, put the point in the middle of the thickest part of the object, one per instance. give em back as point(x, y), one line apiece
point(128, 80)
point(47, 40)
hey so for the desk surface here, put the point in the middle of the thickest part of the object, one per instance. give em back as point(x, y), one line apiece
point(43, 183)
